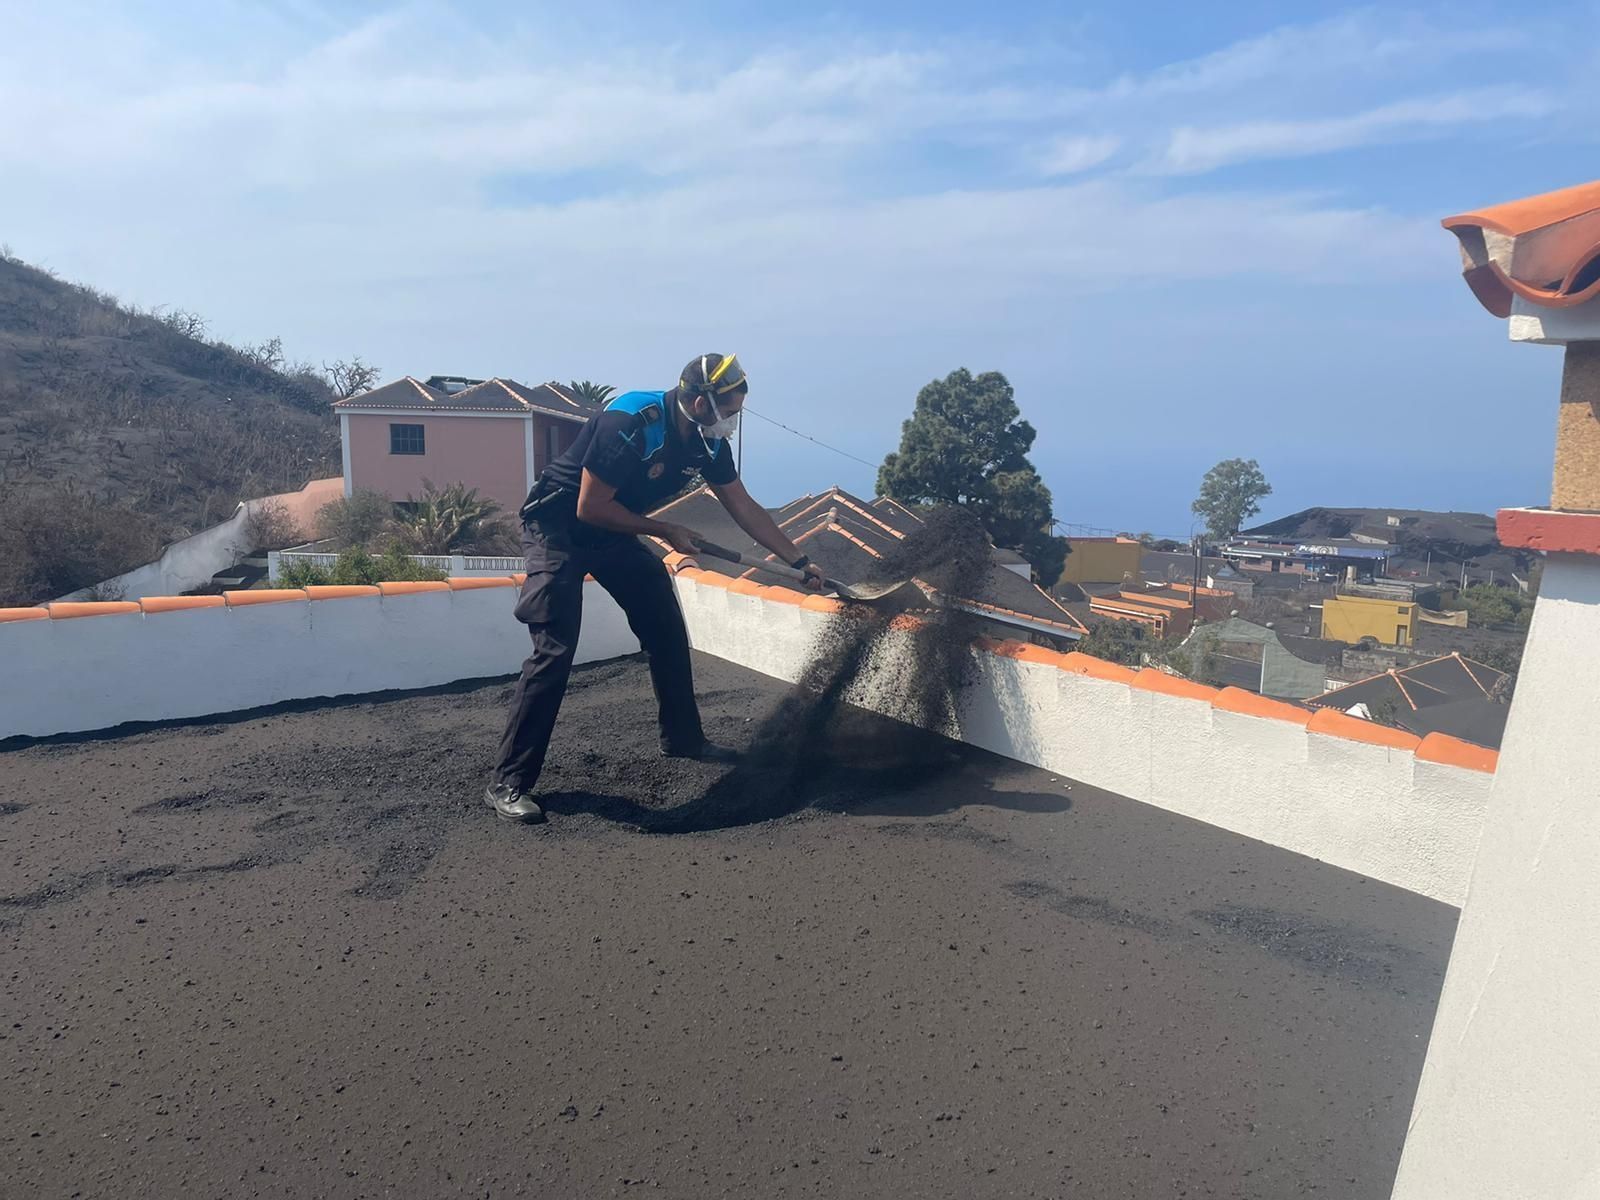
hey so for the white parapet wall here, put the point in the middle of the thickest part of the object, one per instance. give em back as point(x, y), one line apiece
point(192, 562)
point(1509, 1101)
point(1365, 797)
point(1358, 795)
point(70, 668)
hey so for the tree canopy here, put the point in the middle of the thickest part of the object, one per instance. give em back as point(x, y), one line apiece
point(1228, 495)
point(966, 444)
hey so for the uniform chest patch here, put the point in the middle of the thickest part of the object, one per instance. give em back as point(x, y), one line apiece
point(657, 470)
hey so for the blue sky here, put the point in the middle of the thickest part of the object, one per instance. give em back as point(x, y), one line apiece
point(1185, 232)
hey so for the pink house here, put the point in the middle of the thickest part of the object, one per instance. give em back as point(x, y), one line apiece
point(494, 435)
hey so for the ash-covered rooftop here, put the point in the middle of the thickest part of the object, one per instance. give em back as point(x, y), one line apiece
point(292, 954)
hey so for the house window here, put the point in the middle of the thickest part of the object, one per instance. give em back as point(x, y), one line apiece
point(552, 443)
point(406, 439)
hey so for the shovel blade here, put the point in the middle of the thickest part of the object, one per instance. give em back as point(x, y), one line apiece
point(871, 593)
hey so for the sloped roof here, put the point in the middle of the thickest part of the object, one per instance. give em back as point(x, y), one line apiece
point(1543, 248)
point(847, 536)
point(1450, 694)
point(492, 395)
point(405, 392)
point(896, 510)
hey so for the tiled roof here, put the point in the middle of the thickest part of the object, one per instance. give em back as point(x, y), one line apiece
point(1545, 249)
point(492, 395)
point(1450, 694)
point(847, 536)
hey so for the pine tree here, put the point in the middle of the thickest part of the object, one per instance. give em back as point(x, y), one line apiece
point(966, 444)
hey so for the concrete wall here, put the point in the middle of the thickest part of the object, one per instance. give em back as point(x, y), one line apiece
point(1102, 560)
point(1350, 618)
point(1374, 800)
point(489, 453)
point(1509, 1103)
point(194, 560)
point(1371, 799)
point(71, 668)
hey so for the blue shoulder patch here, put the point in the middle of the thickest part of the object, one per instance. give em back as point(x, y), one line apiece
point(651, 411)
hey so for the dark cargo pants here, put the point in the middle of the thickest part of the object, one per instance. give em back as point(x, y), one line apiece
point(551, 605)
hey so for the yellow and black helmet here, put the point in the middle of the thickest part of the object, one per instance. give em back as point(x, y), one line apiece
point(713, 375)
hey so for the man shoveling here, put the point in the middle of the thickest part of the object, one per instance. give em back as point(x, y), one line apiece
point(585, 517)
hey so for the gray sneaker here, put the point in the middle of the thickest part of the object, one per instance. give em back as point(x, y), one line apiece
point(511, 805)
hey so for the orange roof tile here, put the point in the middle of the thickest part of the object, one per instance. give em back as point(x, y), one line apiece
point(1151, 680)
point(409, 587)
point(62, 610)
point(1086, 664)
point(466, 583)
point(1543, 248)
point(1237, 700)
point(1453, 752)
point(243, 599)
point(1332, 721)
point(24, 614)
point(341, 591)
point(161, 604)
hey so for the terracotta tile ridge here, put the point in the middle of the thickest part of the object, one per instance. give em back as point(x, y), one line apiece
point(61, 610)
point(745, 587)
point(1011, 612)
point(815, 500)
point(1027, 652)
point(1455, 752)
point(1341, 725)
point(869, 515)
point(1056, 604)
point(1516, 217)
point(1467, 665)
point(1249, 704)
point(467, 583)
point(549, 386)
point(702, 490)
point(843, 532)
point(163, 604)
point(818, 603)
point(1080, 663)
point(410, 587)
point(1343, 687)
point(782, 595)
point(1151, 680)
point(341, 591)
point(35, 613)
point(246, 599)
point(1401, 684)
point(508, 390)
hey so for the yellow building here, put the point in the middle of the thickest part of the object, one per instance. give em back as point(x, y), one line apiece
point(1349, 618)
point(1102, 560)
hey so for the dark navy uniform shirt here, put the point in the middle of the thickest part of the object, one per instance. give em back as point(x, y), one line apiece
point(634, 445)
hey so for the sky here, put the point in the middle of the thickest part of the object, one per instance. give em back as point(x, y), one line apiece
point(1185, 232)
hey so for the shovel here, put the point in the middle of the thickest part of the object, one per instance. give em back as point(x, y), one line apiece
point(865, 593)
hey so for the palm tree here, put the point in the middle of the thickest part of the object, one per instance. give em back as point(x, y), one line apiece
point(445, 519)
point(592, 393)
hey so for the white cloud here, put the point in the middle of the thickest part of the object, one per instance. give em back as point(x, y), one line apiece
point(1070, 155)
point(1192, 150)
point(856, 203)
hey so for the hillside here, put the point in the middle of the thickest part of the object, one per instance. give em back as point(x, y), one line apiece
point(122, 430)
point(1455, 534)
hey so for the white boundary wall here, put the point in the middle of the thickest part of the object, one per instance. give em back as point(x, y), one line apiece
point(194, 560)
point(1383, 812)
point(1509, 1102)
point(96, 672)
point(1405, 812)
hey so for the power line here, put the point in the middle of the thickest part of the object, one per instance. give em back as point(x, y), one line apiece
point(809, 438)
